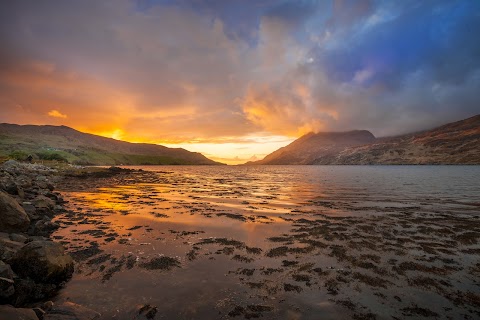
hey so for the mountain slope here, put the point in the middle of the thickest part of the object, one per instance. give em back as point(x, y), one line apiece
point(454, 143)
point(83, 148)
point(313, 145)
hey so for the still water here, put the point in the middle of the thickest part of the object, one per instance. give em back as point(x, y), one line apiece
point(292, 242)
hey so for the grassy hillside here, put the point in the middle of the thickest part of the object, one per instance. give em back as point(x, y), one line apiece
point(453, 143)
point(66, 144)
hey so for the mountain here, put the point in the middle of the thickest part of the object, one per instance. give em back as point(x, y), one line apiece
point(64, 143)
point(453, 143)
point(309, 147)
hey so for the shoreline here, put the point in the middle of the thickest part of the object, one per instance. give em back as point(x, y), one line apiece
point(33, 266)
point(272, 256)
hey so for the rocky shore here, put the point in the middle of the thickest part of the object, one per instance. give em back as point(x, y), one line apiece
point(209, 243)
point(32, 266)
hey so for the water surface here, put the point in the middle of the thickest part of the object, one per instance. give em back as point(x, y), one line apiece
point(290, 242)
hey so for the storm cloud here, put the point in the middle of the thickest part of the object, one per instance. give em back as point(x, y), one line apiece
point(208, 71)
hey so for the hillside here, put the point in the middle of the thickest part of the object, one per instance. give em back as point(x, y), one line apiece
point(453, 143)
point(313, 145)
point(61, 142)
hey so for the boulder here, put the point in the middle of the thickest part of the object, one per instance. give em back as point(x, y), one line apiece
point(70, 311)
point(27, 291)
point(24, 182)
point(44, 262)
point(43, 202)
point(8, 312)
point(8, 247)
point(13, 217)
point(44, 227)
point(11, 187)
point(11, 166)
point(30, 210)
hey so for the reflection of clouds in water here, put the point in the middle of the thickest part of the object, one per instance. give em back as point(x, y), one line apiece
point(305, 248)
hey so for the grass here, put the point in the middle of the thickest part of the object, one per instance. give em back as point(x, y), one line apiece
point(70, 150)
point(84, 157)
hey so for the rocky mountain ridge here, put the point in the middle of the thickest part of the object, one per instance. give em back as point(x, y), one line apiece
point(453, 143)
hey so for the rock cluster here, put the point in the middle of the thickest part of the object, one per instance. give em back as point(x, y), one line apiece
point(32, 267)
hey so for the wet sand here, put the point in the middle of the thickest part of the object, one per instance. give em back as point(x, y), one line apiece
point(233, 243)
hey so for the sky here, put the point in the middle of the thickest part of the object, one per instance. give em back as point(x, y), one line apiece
point(236, 79)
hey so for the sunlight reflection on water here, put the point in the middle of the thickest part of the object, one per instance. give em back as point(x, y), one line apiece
point(171, 210)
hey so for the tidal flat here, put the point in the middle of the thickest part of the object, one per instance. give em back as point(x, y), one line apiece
point(274, 242)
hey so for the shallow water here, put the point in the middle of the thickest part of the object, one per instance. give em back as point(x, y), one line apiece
point(348, 241)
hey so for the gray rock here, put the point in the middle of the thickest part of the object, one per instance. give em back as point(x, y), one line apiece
point(13, 217)
point(18, 237)
point(24, 181)
point(30, 210)
point(27, 290)
point(10, 163)
point(71, 311)
point(44, 262)
point(42, 184)
point(44, 202)
point(8, 312)
point(41, 178)
point(37, 238)
point(44, 228)
point(11, 187)
point(7, 288)
point(8, 248)
point(11, 166)
point(21, 193)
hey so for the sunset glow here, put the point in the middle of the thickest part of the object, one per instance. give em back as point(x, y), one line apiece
point(236, 80)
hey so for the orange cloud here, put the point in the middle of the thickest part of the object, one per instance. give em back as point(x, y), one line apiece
point(57, 114)
point(285, 110)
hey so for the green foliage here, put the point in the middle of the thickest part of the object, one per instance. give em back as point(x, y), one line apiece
point(18, 155)
point(51, 155)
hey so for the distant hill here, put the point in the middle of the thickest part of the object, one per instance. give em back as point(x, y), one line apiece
point(309, 147)
point(64, 143)
point(454, 143)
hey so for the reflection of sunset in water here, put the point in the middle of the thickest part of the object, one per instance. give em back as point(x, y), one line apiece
point(257, 236)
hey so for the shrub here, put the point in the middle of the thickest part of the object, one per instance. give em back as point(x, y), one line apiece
point(47, 155)
point(18, 155)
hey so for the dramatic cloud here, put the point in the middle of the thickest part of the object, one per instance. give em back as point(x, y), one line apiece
point(205, 73)
point(57, 114)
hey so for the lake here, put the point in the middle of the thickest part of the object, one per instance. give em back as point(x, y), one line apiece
point(290, 242)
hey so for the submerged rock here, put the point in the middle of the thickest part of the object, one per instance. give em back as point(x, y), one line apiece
point(13, 217)
point(44, 262)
